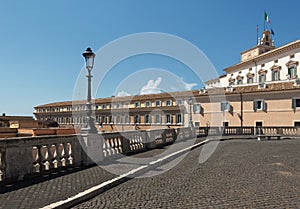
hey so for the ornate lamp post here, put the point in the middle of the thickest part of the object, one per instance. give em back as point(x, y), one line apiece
point(89, 127)
point(190, 102)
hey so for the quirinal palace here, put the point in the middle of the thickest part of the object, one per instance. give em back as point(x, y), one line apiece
point(263, 89)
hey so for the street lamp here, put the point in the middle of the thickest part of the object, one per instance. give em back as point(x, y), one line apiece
point(190, 102)
point(89, 127)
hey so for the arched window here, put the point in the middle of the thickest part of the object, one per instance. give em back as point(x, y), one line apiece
point(250, 78)
point(262, 76)
point(275, 72)
point(292, 69)
point(239, 80)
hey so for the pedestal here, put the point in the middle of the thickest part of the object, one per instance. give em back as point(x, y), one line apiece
point(92, 145)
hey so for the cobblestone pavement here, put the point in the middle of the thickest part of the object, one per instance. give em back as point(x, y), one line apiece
point(38, 194)
point(42, 191)
point(240, 174)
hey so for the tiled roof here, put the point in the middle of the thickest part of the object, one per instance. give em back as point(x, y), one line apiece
point(145, 97)
point(164, 96)
point(284, 86)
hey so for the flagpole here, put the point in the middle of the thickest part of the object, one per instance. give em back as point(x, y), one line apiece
point(257, 34)
point(265, 20)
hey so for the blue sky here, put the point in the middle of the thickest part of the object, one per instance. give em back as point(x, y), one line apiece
point(42, 41)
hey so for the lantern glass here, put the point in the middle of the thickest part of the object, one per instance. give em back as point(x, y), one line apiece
point(89, 57)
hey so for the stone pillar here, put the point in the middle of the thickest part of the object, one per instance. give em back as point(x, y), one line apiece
point(92, 148)
point(18, 160)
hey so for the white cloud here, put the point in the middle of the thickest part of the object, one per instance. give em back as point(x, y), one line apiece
point(123, 94)
point(189, 86)
point(152, 87)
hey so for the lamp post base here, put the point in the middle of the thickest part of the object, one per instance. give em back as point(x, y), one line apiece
point(92, 145)
point(89, 131)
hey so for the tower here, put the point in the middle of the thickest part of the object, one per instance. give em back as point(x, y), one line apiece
point(264, 44)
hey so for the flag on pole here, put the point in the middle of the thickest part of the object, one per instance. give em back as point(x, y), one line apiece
point(272, 32)
point(267, 18)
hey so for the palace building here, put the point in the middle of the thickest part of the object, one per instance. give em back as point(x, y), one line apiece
point(261, 90)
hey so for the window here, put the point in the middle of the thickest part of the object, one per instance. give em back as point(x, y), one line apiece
point(231, 83)
point(157, 118)
point(225, 106)
point(126, 105)
point(119, 119)
point(168, 118)
point(262, 78)
point(147, 119)
point(110, 106)
point(250, 80)
point(292, 56)
point(197, 108)
point(179, 101)
point(178, 118)
point(136, 104)
point(225, 124)
point(275, 75)
point(147, 104)
point(292, 71)
point(103, 119)
point(110, 119)
point(118, 106)
point(258, 124)
point(168, 103)
point(295, 103)
point(239, 81)
point(127, 121)
point(157, 103)
point(259, 104)
point(297, 124)
point(137, 119)
point(96, 107)
point(197, 124)
point(104, 106)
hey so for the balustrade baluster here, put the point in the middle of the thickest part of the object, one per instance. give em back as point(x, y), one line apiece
point(50, 156)
point(108, 147)
point(112, 146)
point(104, 148)
point(120, 144)
point(62, 154)
point(54, 156)
point(69, 153)
point(35, 158)
point(45, 156)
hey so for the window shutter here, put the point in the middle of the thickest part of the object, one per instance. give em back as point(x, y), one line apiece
point(263, 105)
point(295, 71)
point(255, 105)
point(294, 103)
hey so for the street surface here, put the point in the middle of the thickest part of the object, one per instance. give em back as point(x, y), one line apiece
point(240, 174)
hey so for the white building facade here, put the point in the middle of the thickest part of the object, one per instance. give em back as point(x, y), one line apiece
point(261, 65)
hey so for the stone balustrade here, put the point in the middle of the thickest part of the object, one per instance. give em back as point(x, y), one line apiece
point(25, 156)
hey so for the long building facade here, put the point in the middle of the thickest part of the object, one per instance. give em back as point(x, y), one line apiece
point(262, 90)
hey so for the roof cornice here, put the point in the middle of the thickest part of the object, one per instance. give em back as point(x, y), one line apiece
point(272, 53)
